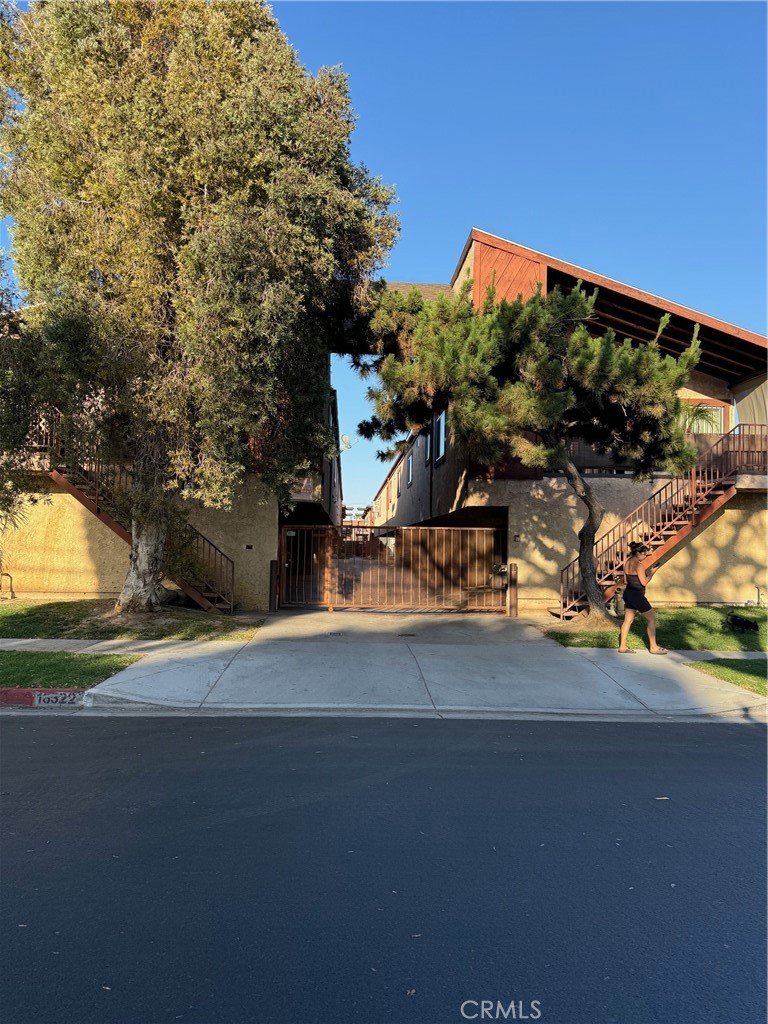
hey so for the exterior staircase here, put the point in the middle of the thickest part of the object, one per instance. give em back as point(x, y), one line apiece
point(101, 484)
point(670, 514)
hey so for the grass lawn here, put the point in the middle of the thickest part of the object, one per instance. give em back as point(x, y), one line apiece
point(679, 629)
point(70, 671)
point(96, 620)
point(750, 673)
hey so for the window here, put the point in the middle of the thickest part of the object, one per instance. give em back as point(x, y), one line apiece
point(428, 445)
point(705, 416)
point(440, 437)
point(409, 471)
point(399, 480)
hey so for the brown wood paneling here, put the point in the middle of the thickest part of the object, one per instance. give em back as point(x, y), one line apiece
point(514, 274)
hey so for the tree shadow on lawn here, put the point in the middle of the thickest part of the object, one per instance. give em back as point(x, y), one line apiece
point(96, 620)
point(687, 629)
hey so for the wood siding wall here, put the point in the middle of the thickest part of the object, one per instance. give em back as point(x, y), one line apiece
point(512, 274)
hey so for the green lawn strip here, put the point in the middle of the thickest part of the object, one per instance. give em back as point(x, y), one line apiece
point(679, 629)
point(45, 669)
point(749, 673)
point(95, 620)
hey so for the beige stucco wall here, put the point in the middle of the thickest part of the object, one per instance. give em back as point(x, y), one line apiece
point(702, 388)
point(721, 562)
point(446, 480)
point(466, 270)
point(412, 507)
point(62, 550)
point(251, 520)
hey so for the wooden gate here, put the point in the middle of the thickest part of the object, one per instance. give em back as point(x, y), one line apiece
point(418, 567)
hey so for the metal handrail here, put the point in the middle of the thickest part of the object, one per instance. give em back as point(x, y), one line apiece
point(672, 506)
point(106, 479)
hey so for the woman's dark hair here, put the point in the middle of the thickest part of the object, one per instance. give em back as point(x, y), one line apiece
point(637, 546)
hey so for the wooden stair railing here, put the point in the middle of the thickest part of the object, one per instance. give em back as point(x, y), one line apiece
point(101, 484)
point(670, 514)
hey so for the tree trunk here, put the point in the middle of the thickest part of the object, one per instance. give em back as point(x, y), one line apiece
point(139, 592)
point(587, 534)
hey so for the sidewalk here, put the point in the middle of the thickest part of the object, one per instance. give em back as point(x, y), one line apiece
point(408, 664)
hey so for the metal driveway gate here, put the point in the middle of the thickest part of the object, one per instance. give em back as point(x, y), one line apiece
point(418, 567)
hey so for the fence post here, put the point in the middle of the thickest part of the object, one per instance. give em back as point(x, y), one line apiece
point(512, 590)
point(273, 584)
point(327, 568)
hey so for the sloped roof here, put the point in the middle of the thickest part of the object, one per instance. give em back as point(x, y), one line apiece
point(429, 291)
point(729, 352)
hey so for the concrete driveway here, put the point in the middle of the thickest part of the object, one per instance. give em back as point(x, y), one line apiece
point(416, 665)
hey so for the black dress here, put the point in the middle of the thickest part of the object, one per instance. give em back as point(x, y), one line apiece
point(634, 595)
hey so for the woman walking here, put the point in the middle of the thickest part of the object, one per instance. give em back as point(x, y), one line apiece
point(635, 600)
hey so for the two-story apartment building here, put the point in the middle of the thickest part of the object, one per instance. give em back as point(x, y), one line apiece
point(72, 544)
point(719, 553)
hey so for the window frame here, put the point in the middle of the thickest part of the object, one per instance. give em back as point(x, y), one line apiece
point(409, 469)
point(714, 403)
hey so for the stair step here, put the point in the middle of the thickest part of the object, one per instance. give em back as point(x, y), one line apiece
point(703, 491)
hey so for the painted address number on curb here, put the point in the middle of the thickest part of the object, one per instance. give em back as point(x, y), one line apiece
point(48, 698)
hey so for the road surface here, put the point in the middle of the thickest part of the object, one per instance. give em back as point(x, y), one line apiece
point(381, 871)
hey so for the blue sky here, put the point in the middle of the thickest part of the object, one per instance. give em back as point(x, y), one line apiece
point(628, 138)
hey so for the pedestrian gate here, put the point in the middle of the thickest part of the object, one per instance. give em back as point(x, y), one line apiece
point(411, 567)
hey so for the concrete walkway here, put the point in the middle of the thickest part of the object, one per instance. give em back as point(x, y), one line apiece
point(406, 664)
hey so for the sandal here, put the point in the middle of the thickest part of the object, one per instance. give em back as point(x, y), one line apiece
point(627, 650)
point(660, 650)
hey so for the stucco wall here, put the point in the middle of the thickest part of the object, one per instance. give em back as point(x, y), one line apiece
point(445, 480)
point(412, 507)
point(466, 270)
point(721, 562)
point(62, 550)
point(449, 478)
point(252, 520)
point(704, 388)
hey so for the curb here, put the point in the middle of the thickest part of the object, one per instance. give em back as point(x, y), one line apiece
point(117, 704)
point(28, 697)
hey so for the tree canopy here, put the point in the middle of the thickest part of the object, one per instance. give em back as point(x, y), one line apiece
point(189, 231)
point(527, 378)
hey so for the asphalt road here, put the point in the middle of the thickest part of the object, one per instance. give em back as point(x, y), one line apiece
point(381, 871)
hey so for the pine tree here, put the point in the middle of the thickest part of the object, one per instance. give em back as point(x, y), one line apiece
point(190, 235)
point(527, 378)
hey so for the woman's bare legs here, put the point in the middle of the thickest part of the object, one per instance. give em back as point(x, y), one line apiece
point(629, 618)
point(650, 618)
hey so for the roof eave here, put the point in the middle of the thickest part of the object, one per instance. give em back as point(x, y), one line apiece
point(667, 305)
